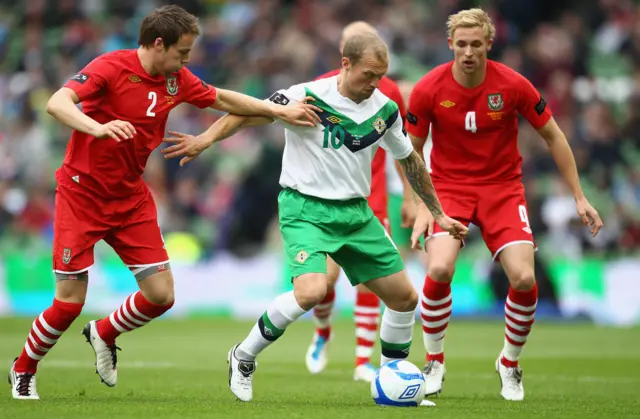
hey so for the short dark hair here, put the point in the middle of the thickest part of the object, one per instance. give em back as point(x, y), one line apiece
point(355, 46)
point(168, 23)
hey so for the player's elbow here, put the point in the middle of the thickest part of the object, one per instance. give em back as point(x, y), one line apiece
point(57, 102)
point(52, 105)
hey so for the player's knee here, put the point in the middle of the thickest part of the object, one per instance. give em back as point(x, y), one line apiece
point(405, 301)
point(160, 295)
point(310, 291)
point(441, 272)
point(522, 280)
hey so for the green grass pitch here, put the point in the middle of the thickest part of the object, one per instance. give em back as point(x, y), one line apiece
point(177, 369)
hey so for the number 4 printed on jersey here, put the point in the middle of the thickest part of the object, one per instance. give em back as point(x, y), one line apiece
point(470, 122)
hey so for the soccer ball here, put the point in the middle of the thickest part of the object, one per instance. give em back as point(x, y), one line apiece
point(398, 383)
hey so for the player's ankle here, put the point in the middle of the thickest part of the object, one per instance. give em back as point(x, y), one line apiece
point(107, 338)
point(324, 332)
point(362, 361)
point(436, 357)
point(507, 363)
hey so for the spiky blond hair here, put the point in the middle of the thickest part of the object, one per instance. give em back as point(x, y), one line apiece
point(471, 18)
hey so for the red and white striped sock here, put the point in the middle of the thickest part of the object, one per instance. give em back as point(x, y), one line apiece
point(322, 315)
point(135, 312)
point(519, 312)
point(45, 332)
point(367, 314)
point(436, 313)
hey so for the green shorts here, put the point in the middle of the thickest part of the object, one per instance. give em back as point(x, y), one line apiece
point(401, 236)
point(313, 228)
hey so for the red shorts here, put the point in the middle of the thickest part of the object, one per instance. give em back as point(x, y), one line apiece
point(499, 210)
point(378, 197)
point(378, 203)
point(129, 226)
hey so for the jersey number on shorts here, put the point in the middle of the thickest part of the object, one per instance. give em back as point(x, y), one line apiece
point(524, 218)
point(153, 97)
point(336, 135)
point(470, 122)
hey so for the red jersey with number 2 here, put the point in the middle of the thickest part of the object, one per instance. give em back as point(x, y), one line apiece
point(378, 198)
point(116, 86)
point(475, 131)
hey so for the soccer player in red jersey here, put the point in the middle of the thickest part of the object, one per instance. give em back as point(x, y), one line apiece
point(472, 106)
point(367, 307)
point(126, 97)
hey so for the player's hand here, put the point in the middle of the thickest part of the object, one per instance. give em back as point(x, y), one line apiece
point(118, 130)
point(455, 228)
point(589, 216)
point(301, 113)
point(184, 145)
point(422, 226)
point(408, 212)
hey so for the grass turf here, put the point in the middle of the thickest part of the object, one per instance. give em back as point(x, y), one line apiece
point(177, 368)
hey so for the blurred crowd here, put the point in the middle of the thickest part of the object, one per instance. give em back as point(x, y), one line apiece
point(583, 55)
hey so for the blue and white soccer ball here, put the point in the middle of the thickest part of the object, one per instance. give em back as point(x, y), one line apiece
point(398, 383)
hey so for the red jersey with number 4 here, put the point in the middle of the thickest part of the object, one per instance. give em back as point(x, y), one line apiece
point(378, 197)
point(116, 86)
point(475, 131)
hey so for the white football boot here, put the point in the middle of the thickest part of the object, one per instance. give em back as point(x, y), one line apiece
point(316, 358)
point(433, 372)
point(365, 372)
point(240, 376)
point(511, 381)
point(23, 385)
point(106, 357)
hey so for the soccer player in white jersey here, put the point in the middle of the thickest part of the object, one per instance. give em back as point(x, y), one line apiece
point(326, 176)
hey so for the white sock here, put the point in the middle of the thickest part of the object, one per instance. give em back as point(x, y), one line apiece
point(283, 311)
point(395, 334)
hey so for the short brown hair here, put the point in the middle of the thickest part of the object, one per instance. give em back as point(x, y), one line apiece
point(355, 46)
point(168, 23)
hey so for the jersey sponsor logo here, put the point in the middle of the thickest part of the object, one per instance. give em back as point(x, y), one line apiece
point(541, 106)
point(80, 78)
point(334, 119)
point(134, 79)
point(447, 104)
point(495, 116)
point(279, 98)
point(66, 255)
point(172, 85)
point(495, 101)
point(379, 125)
point(302, 256)
point(412, 119)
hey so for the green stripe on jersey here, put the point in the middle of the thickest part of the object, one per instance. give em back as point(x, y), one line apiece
point(350, 126)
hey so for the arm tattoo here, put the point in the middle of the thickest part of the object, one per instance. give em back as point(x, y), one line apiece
point(419, 179)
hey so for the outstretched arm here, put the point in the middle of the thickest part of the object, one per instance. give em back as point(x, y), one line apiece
point(240, 104)
point(190, 147)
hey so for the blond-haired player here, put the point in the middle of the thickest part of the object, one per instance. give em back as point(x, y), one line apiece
point(471, 105)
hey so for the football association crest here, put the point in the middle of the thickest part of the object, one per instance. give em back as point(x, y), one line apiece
point(379, 125)
point(172, 85)
point(302, 256)
point(495, 101)
point(66, 256)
